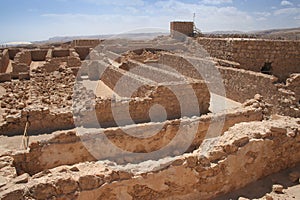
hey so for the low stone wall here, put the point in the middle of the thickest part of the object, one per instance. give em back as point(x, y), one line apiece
point(44, 101)
point(83, 52)
point(155, 74)
point(180, 64)
point(283, 56)
point(46, 156)
point(53, 64)
point(178, 100)
point(91, 43)
point(57, 53)
point(240, 84)
point(124, 80)
point(293, 84)
point(40, 121)
point(4, 60)
point(38, 54)
point(23, 57)
point(244, 154)
point(5, 77)
point(13, 52)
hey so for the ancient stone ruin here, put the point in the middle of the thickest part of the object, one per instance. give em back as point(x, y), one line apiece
point(195, 118)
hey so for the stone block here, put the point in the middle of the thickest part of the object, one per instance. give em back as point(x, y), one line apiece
point(5, 77)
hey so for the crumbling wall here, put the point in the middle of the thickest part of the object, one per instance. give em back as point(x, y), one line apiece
point(175, 99)
point(21, 64)
point(45, 152)
point(55, 63)
point(5, 77)
point(124, 80)
point(293, 84)
point(44, 101)
point(91, 43)
point(60, 53)
point(38, 54)
point(4, 60)
point(243, 154)
point(282, 56)
point(239, 84)
point(40, 121)
point(180, 64)
point(155, 74)
point(83, 52)
point(13, 52)
point(23, 57)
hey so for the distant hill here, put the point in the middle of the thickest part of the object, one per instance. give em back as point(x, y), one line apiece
point(134, 36)
point(287, 34)
point(278, 34)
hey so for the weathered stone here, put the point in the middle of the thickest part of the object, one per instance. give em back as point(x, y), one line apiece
point(89, 182)
point(66, 186)
point(21, 179)
point(277, 188)
point(3, 181)
point(294, 176)
point(43, 191)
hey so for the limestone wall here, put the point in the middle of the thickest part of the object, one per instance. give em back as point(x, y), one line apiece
point(23, 57)
point(13, 52)
point(45, 152)
point(241, 84)
point(284, 56)
point(21, 63)
point(38, 54)
point(180, 64)
point(53, 64)
point(4, 60)
point(244, 154)
point(83, 52)
point(5, 77)
point(124, 80)
point(91, 43)
point(60, 53)
point(40, 121)
point(175, 99)
point(293, 84)
point(186, 28)
point(152, 73)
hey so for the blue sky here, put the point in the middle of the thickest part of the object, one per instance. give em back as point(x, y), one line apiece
point(31, 20)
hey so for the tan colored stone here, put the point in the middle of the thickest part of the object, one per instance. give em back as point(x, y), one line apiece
point(277, 188)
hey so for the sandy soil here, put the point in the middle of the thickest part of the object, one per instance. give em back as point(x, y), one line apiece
point(219, 103)
point(104, 91)
point(13, 143)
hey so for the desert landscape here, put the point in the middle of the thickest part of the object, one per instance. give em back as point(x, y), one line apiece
point(180, 116)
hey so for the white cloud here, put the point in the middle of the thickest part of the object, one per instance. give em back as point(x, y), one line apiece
point(287, 11)
point(261, 19)
point(286, 3)
point(159, 14)
point(116, 2)
point(216, 2)
point(263, 14)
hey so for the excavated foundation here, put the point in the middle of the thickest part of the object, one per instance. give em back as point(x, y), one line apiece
point(74, 147)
